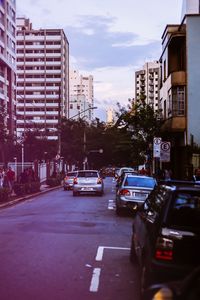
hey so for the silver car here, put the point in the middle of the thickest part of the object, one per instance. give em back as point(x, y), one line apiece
point(68, 181)
point(133, 191)
point(88, 181)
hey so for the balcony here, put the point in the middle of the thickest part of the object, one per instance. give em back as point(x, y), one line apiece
point(175, 124)
point(178, 78)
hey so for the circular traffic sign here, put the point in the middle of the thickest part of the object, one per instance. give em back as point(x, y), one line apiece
point(157, 141)
point(165, 146)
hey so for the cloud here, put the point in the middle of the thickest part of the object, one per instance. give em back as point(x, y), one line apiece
point(95, 46)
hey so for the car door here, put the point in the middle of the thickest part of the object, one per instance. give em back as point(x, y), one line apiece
point(146, 225)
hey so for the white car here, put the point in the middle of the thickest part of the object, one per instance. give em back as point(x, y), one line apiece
point(69, 180)
point(121, 170)
point(133, 191)
point(88, 181)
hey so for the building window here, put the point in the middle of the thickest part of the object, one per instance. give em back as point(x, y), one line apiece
point(178, 101)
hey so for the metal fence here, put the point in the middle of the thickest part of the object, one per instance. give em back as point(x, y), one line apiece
point(43, 170)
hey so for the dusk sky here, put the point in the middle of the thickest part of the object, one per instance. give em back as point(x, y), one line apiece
point(108, 39)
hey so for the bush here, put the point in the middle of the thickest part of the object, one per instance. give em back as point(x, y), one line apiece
point(19, 189)
point(35, 187)
point(4, 194)
point(53, 181)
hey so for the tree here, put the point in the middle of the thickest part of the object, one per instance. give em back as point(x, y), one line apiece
point(6, 140)
point(142, 123)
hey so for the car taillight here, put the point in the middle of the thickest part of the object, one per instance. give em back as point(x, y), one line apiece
point(125, 192)
point(75, 180)
point(164, 249)
point(99, 181)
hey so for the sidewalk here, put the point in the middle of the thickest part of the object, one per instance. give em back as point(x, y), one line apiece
point(15, 199)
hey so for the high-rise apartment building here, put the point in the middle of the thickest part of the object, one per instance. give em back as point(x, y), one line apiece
point(147, 83)
point(81, 87)
point(8, 63)
point(110, 116)
point(42, 79)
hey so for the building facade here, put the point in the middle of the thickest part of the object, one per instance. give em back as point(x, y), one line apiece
point(42, 79)
point(110, 116)
point(147, 84)
point(8, 64)
point(179, 93)
point(81, 95)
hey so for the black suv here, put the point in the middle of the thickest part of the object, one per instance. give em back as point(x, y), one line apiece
point(166, 233)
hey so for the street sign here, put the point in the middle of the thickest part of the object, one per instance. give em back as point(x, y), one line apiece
point(165, 148)
point(156, 146)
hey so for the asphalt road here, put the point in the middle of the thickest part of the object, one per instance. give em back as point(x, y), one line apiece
point(59, 247)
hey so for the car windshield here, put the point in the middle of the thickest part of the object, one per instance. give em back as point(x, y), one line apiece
point(87, 174)
point(186, 210)
point(140, 182)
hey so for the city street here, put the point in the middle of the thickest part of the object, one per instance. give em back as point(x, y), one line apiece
point(56, 246)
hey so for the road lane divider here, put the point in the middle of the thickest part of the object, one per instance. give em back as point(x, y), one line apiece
point(100, 251)
point(94, 285)
point(111, 204)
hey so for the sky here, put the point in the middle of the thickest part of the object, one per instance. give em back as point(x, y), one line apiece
point(109, 39)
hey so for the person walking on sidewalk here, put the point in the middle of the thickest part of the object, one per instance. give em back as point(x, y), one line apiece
point(11, 178)
point(2, 174)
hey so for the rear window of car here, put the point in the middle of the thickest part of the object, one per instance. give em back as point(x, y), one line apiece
point(87, 174)
point(140, 182)
point(71, 174)
point(185, 210)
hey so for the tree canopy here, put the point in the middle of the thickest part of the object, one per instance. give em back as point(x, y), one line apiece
point(124, 143)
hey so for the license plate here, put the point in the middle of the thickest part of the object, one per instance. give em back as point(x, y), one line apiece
point(87, 189)
point(140, 195)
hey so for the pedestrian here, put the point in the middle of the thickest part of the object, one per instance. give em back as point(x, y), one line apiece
point(2, 174)
point(143, 171)
point(11, 178)
point(167, 174)
point(197, 175)
point(23, 177)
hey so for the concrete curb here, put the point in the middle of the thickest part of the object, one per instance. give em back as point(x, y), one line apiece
point(15, 201)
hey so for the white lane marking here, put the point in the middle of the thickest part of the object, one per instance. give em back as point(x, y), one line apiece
point(111, 204)
point(94, 285)
point(100, 250)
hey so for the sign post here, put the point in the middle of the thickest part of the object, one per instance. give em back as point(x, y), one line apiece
point(156, 153)
point(165, 148)
point(156, 147)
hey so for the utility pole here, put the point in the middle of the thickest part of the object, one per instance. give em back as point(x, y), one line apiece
point(59, 121)
point(84, 149)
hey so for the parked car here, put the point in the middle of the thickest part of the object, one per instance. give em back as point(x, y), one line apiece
point(166, 233)
point(186, 289)
point(69, 180)
point(133, 191)
point(119, 172)
point(88, 181)
point(120, 179)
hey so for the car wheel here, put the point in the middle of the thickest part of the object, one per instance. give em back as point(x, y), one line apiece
point(75, 193)
point(100, 193)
